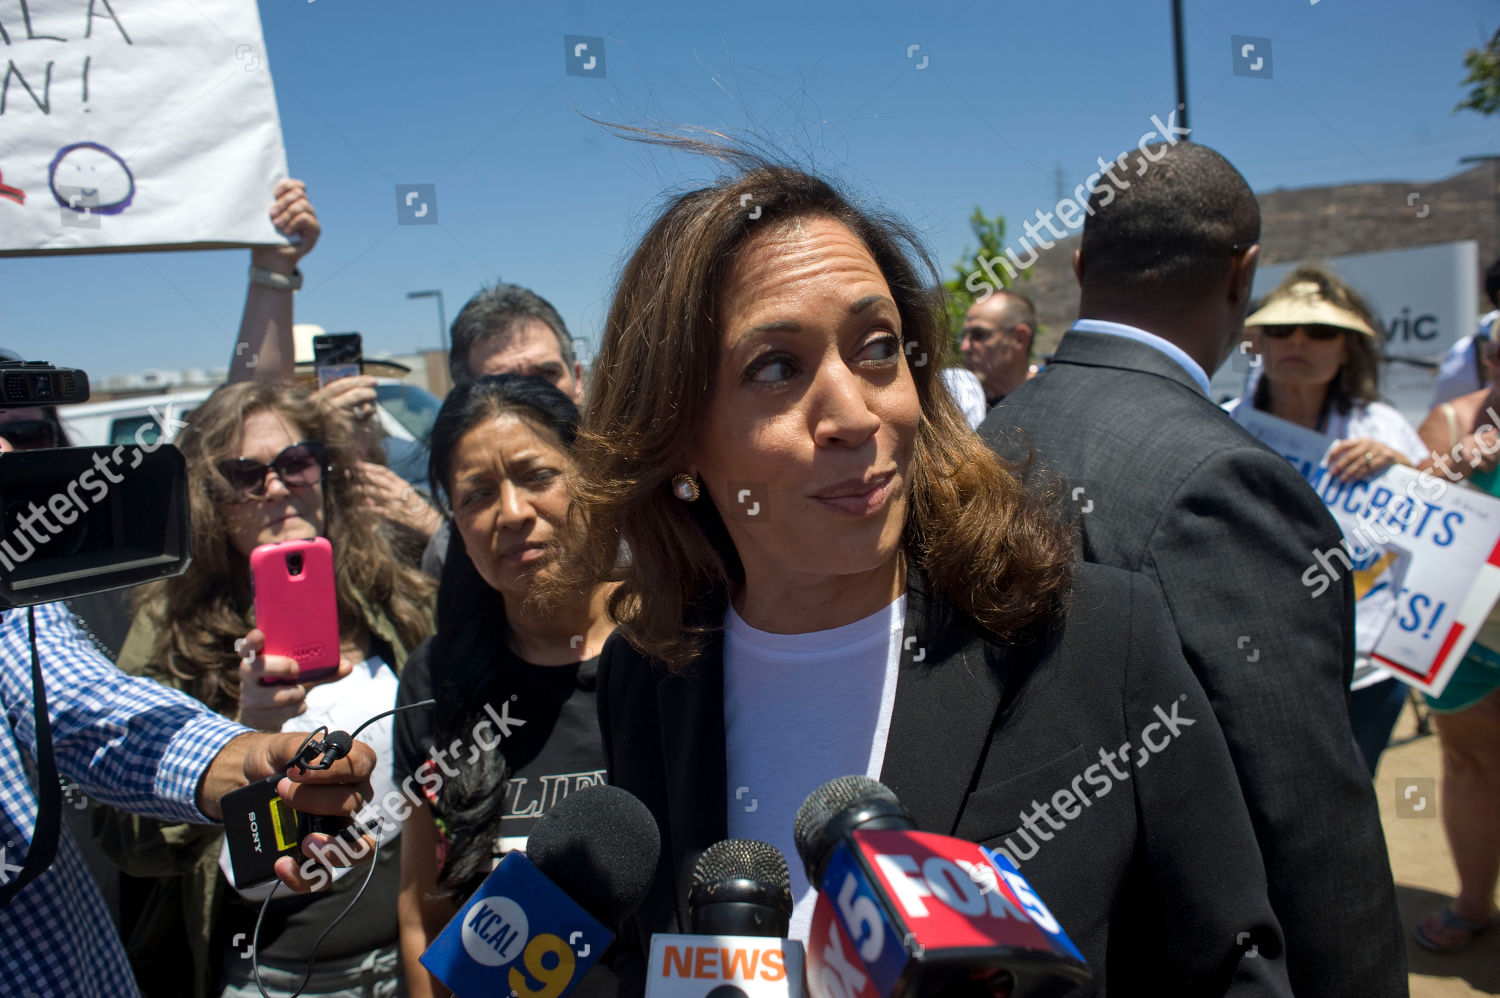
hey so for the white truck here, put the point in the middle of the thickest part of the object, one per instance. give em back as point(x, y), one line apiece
point(406, 414)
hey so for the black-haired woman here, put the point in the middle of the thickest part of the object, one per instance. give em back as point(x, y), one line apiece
point(514, 682)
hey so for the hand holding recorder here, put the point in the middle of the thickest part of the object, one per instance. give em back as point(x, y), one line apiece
point(337, 791)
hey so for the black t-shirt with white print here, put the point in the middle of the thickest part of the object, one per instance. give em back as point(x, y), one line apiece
point(544, 717)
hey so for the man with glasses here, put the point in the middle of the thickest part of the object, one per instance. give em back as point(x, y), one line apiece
point(1166, 484)
point(997, 339)
point(508, 329)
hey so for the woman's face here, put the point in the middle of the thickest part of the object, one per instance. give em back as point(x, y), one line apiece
point(283, 513)
point(1299, 360)
point(506, 485)
point(807, 448)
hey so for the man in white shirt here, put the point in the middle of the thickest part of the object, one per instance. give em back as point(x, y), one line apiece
point(1463, 369)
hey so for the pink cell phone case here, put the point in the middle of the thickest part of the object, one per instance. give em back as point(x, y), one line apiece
point(295, 604)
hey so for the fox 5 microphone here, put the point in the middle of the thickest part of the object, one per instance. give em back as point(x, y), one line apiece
point(539, 921)
point(903, 913)
point(740, 905)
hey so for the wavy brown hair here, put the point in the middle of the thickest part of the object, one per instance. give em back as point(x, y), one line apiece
point(1000, 553)
point(204, 610)
point(1358, 380)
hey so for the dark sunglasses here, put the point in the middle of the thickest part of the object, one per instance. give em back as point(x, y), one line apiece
point(1315, 332)
point(978, 334)
point(30, 434)
point(300, 465)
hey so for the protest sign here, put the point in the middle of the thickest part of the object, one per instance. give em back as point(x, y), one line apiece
point(134, 125)
point(1445, 536)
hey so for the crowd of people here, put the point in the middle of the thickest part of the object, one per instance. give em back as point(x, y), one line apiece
point(759, 547)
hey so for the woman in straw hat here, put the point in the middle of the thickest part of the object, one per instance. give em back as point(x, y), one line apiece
point(1320, 354)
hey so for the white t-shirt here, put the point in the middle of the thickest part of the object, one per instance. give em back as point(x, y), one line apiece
point(343, 706)
point(800, 710)
point(1380, 422)
point(1459, 373)
point(968, 391)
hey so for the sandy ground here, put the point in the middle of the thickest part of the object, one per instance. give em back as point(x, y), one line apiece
point(1422, 868)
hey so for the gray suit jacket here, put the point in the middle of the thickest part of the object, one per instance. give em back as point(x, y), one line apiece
point(1168, 485)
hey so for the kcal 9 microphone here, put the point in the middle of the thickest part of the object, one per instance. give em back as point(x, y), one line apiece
point(541, 919)
point(740, 905)
point(908, 914)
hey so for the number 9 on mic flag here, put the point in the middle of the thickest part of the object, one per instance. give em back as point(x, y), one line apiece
point(519, 934)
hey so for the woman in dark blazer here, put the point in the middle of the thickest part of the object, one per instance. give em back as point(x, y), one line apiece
point(829, 573)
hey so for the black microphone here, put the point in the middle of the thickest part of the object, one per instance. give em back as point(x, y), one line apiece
point(542, 919)
point(904, 913)
point(741, 887)
point(740, 906)
point(599, 845)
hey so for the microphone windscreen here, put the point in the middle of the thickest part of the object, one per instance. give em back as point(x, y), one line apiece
point(600, 846)
point(826, 802)
point(745, 859)
point(336, 746)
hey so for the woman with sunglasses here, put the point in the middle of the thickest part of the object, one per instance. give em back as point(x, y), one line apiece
point(266, 465)
point(1320, 356)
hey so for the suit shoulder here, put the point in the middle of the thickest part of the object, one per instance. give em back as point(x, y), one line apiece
point(1106, 598)
point(1094, 582)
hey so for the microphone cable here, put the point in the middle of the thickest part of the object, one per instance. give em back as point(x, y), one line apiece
point(331, 749)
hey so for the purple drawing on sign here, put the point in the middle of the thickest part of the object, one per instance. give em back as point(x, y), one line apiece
point(88, 177)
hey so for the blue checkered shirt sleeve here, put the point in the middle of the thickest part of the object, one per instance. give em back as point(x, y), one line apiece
point(125, 741)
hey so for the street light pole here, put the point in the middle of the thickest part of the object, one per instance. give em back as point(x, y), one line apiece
point(1181, 60)
point(442, 314)
point(1494, 162)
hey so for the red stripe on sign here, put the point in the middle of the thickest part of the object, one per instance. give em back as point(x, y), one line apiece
point(1397, 666)
point(1494, 558)
point(1454, 633)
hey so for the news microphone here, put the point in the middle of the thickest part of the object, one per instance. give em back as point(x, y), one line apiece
point(542, 919)
point(741, 887)
point(903, 913)
point(740, 906)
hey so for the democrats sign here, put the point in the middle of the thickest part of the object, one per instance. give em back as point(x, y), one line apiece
point(1429, 550)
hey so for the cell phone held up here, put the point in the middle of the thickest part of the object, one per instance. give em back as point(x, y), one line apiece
point(296, 606)
point(337, 355)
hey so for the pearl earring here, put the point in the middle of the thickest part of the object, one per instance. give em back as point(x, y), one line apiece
point(685, 487)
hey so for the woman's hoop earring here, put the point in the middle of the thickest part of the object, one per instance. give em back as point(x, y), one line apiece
point(685, 487)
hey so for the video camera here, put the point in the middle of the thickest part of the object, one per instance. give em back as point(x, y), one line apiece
point(81, 520)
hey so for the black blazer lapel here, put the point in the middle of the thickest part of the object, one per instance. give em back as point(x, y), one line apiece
point(694, 756)
point(949, 691)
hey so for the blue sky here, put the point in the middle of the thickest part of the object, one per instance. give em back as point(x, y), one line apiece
point(472, 96)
